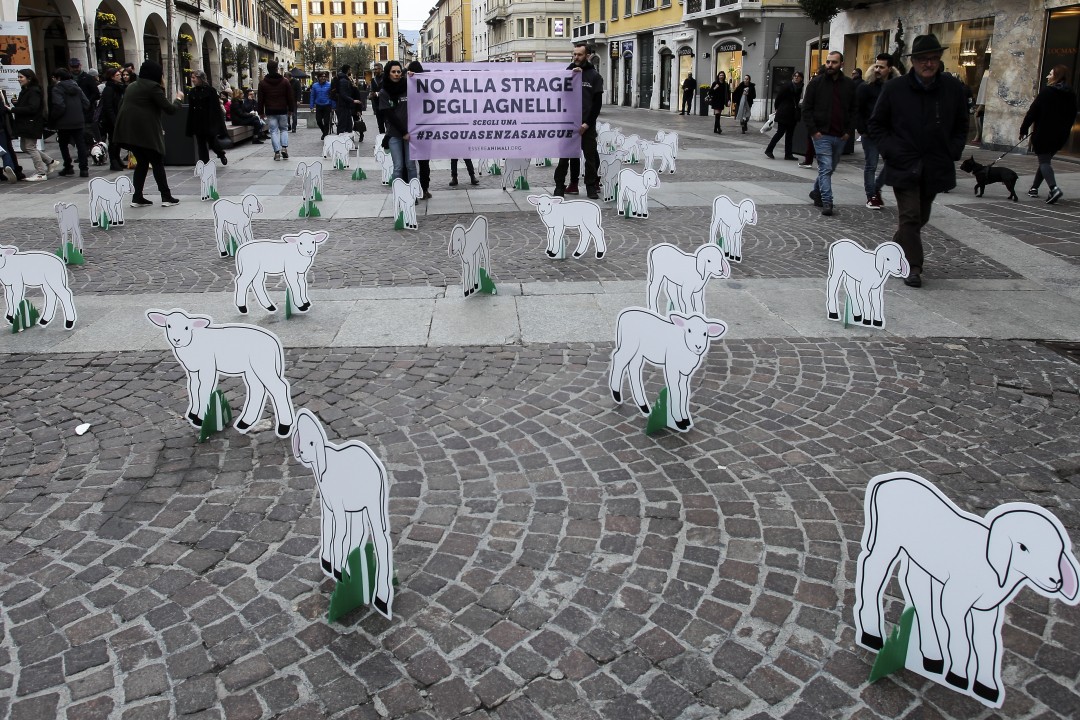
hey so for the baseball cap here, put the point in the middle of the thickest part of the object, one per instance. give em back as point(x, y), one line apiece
point(73, 62)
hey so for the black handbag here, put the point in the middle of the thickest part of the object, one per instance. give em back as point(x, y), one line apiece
point(225, 141)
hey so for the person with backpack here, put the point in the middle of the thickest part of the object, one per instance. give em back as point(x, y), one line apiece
point(344, 96)
point(29, 114)
point(68, 106)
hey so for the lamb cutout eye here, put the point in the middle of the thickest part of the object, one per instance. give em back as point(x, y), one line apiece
point(1023, 547)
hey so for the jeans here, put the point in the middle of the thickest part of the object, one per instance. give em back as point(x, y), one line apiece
point(783, 130)
point(403, 167)
point(322, 117)
point(913, 208)
point(871, 183)
point(279, 131)
point(78, 138)
point(205, 143)
point(1045, 172)
point(39, 157)
point(147, 158)
point(828, 149)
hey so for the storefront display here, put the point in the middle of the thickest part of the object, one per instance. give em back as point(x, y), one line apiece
point(860, 51)
point(1061, 48)
point(969, 48)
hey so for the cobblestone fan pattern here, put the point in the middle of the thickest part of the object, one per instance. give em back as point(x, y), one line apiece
point(180, 256)
point(1052, 229)
point(554, 562)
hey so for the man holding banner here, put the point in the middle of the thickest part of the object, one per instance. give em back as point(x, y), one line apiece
point(592, 96)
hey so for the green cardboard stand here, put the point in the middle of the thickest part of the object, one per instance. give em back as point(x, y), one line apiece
point(487, 287)
point(217, 417)
point(893, 655)
point(232, 247)
point(658, 418)
point(359, 174)
point(26, 316)
point(103, 221)
point(357, 585)
point(495, 169)
point(521, 183)
point(338, 165)
point(70, 254)
point(288, 304)
point(310, 209)
point(318, 197)
point(214, 193)
point(399, 223)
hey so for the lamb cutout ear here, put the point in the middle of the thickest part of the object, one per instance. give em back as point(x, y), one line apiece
point(9, 249)
point(199, 322)
point(879, 261)
point(157, 317)
point(321, 236)
point(291, 239)
point(533, 199)
point(309, 432)
point(999, 547)
point(1070, 585)
point(678, 319)
point(717, 329)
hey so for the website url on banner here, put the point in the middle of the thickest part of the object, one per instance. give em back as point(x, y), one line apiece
point(493, 134)
point(485, 148)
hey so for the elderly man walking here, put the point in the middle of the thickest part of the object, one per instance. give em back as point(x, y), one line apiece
point(920, 124)
point(829, 114)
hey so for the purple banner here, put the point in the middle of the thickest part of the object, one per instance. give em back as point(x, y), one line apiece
point(519, 110)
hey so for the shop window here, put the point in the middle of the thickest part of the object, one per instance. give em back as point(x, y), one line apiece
point(647, 5)
point(1062, 47)
point(969, 47)
point(339, 30)
point(860, 51)
point(316, 7)
point(337, 8)
point(359, 30)
point(318, 30)
point(359, 8)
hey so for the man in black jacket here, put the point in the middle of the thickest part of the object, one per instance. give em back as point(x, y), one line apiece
point(592, 96)
point(787, 115)
point(920, 124)
point(866, 96)
point(376, 86)
point(67, 115)
point(829, 114)
point(345, 99)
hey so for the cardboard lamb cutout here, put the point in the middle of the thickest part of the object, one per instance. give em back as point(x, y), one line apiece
point(676, 344)
point(609, 169)
point(340, 151)
point(863, 274)
point(207, 174)
point(71, 239)
point(957, 572)
point(405, 195)
point(354, 499)
point(631, 144)
point(291, 257)
point(313, 184)
point(386, 165)
point(471, 245)
point(329, 140)
point(232, 223)
point(107, 201)
point(516, 173)
point(653, 151)
point(683, 276)
point(206, 350)
point(728, 222)
point(671, 139)
point(559, 214)
point(633, 196)
point(35, 268)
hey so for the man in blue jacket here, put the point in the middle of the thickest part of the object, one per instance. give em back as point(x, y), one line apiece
point(321, 102)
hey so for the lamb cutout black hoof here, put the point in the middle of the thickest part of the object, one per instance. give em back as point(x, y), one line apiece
point(986, 693)
point(682, 424)
point(43, 322)
point(380, 605)
point(616, 395)
point(599, 255)
point(68, 324)
point(956, 680)
point(879, 323)
point(856, 318)
point(337, 575)
point(241, 425)
point(834, 316)
point(271, 307)
point(283, 430)
point(738, 258)
point(551, 254)
point(242, 309)
point(304, 308)
point(326, 565)
point(577, 254)
point(933, 666)
point(866, 321)
point(645, 410)
point(10, 319)
point(874, 642)
point(195, 420)
point(224, 254)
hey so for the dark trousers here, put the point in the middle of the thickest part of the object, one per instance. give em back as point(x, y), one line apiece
point(146, 159)
point(913, 208)
point(202, 142)
point(76, 138)
point(1045, 172)
point(380, 118)
point(322, 117)
point(687, 101)
point(424, 173)
point(468, 166)
point(592, 162)
point(292, 120)
point(344, 120)
point(782, 131)
point(114, 148)
point(811, 153)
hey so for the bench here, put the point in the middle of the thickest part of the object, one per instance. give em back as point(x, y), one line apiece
point(240, 133)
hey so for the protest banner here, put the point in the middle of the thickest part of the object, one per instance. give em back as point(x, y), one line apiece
point(528, 110)
point(15, 54)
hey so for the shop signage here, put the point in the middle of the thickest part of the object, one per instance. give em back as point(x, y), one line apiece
point(728, 47)
point(628, 48)
point(613, 48)
point(686, 51)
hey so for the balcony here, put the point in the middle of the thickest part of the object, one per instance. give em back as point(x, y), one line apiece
point(591, 31)
point(702, 9)
point(496, 13)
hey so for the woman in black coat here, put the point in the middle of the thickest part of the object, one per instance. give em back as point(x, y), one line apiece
point(111, 97)
point(206, 118)
point(787, 114)
point(1053, 114)
point(719, 98)
point(29, 114)
point(743, 99)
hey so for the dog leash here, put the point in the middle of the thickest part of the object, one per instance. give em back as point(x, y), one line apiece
point(1009, 150)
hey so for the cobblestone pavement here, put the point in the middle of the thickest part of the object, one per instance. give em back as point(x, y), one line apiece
point(553, 561)
point(180, 256)
point(1053, 229)
point(552, 564)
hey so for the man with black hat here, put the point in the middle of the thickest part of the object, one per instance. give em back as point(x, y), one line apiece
point(920, 125)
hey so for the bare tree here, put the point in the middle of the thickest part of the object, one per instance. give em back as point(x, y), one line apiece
point(821, 12)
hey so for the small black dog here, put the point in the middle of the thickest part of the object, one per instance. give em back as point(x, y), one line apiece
point(989, 175)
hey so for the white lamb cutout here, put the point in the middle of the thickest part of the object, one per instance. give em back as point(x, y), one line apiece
point(558, 215)
point(515, 166)
point(652, 151)
point(482, 166)
point(233, 219)
point(378, 143)
point(634, 190)
point(471, 245)
point(405, 195)
point(339, 151)
point(67, 216)
point(684, 276)
point(608, 139)
point(670, 139)
point(631, 143)
point(34, 268)
point(386, 164)
point(290, 257)
point(676, 344)
point(539, 162)
point(863, 273)
point(329, 140)
point(609, 176)
point(108, 198)
point(207, 174)
point(246, 350)
point(729, 220)
point(958, 571)
point(602, 126)
point(312, 174)
point(355, 499)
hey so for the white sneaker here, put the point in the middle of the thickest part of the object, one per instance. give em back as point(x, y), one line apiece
point(806, 165)
point(9, 174)
point(38, 177)
point(53, 166)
